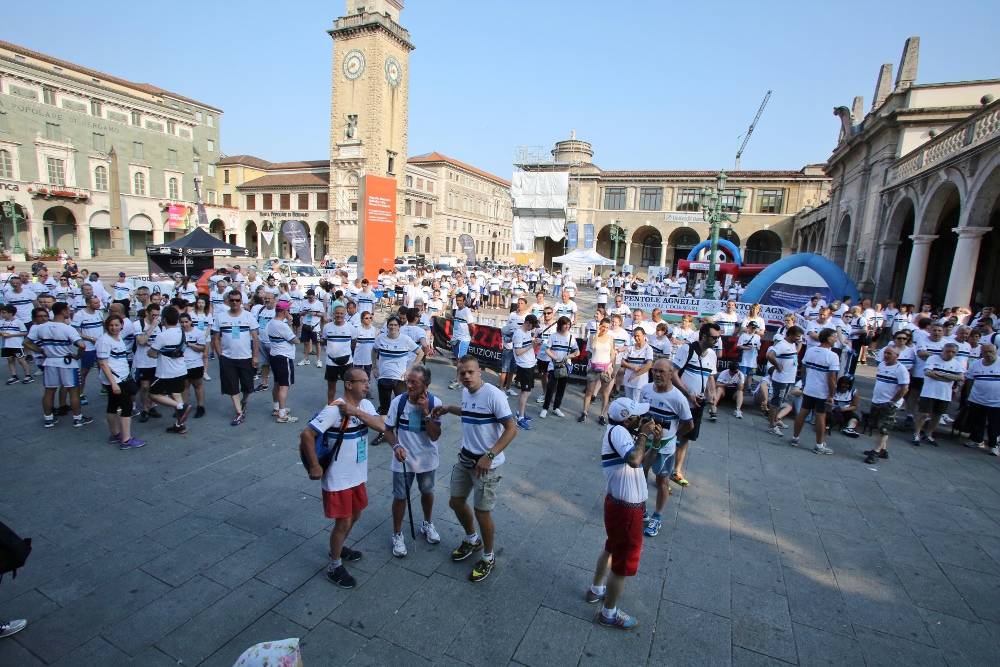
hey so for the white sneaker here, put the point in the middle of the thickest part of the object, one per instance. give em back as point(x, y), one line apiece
point(738, 413)
point(558, 413)
point(821, 448)
point(774, 430)
point(455, 385)
point(543, 414)
point(995, 450)
point(207, 376)
point(945, 419)
point(429, 532)
point(512, 392)
point(319, 364)
point(540, 400)
point(304, 362)
point(398, 545)
point(794, 442)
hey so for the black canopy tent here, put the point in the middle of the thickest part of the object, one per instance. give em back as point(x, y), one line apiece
point(191, 254)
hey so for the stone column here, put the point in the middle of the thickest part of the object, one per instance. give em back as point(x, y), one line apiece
point(963, 267)
point(157, 233)
point(628, 253)
point(913, 290)
point(663, 253)
point(884, 268)
point(84, 250)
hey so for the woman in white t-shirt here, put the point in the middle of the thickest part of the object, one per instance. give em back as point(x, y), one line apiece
point(391, 360)
point(601, 370)
point(685, 332)
point(194, 360)
point(561, 347)
point(112, 358)
point(755, 315)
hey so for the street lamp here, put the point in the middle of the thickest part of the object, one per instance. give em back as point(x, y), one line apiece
point(617, 235)
point(10, 210)
point(715, 213)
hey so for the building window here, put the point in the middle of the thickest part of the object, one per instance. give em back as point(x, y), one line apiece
point(210, 120)
point(251, 202)
point(771, 201)
point(52, 132)
point(139, 183)
point(136, 118)
point(286, 201)
point(196, 167)
point(172, 157)
point(96, 108)
point(303, 202)
point(6, 165)
point(430, 186)
point(171, 127)
point(227, 199)
point(210, 172)
point(408, 207)
point(225, 176)
point(57, 171)
point(729, 199)
point(390, 162)
point(198, 116)
point(409, 181)
point(420, 209)
point(427, 209)
point(211, 146)
point(614, 199)
point(137, 150)
point(99, 143)
point(172, 191)
point(101, 179)
point(211, 197)
point(49, 95)
point(322, 201)
point(266, 203)
point(3, 122)
point(650, 199)
point(688, 199)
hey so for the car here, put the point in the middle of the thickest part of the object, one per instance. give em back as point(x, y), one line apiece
point(306, 275)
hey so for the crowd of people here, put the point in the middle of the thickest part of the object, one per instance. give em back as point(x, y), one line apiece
point(655, 381)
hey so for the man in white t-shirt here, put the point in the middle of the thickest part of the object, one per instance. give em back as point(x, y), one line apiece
point(892, 381)
point(941, 372)
point(748, 344)
point(334, 448)
point(234, 339)
point(171, 370)
point(784, 356)
point(694, 366)
point(728, 320)
point(487, 428)
point(623, 449)
point(415, 456)
point(729, 384)
point(984, 400)
point(822, 366)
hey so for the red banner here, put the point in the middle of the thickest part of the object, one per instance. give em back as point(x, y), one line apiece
point(176, 216)
point(377, 233)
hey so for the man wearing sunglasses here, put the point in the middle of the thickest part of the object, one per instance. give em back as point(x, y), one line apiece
point(234, 338)
point(694, 366)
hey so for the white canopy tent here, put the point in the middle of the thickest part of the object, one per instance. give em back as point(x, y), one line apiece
point(583, 257)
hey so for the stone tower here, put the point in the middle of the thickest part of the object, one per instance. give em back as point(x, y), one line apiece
point(369, 110)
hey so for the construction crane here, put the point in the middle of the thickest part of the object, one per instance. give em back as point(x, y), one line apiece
point(753, 124)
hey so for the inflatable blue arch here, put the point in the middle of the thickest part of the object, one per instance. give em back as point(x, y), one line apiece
point(790, 282)
point(734, 251)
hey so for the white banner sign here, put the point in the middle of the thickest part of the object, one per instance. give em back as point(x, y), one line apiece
point(675, 307)
point(268, 236)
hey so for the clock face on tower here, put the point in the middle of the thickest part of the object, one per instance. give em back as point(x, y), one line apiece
point(393, 71)
point(354, 64)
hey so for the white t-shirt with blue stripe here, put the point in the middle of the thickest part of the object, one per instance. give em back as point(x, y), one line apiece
point(483, 414)
point(350, 469)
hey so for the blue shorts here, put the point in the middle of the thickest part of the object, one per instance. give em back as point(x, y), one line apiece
point(663, 464)
point(89, 359)
point(748, 370)
point(401, 484)
point(461, 348)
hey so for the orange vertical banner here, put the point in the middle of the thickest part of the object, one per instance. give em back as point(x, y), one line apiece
point(377, 233)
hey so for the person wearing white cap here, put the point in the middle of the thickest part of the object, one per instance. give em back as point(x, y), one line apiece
point(623, 449)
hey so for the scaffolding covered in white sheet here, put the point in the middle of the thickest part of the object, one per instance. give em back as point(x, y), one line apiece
point(540, 200)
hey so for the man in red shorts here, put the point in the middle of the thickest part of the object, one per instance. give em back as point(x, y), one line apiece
point(622, 450)
point(342, 430)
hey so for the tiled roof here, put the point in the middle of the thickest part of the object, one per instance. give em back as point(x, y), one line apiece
point(750, 174)
point(436, 158)
point(288, 181)
point(260, 163)
point(144, 87)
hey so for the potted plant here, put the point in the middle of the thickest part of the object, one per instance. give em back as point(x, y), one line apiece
point(48, 254)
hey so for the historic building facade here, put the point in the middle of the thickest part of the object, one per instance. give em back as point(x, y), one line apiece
point(660, 214)
point(913, 213)
point(93, 162)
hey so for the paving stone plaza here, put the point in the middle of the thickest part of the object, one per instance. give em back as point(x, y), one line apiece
point(194, 548)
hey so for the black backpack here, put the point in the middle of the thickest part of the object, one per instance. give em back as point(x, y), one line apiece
point(14, 550)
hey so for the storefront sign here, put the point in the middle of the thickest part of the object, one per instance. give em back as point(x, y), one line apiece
point(674, 307)
point(283, 214)
point(13, 187)
point(683, 217)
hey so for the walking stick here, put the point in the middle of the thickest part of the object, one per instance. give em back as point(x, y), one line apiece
point(409, 505)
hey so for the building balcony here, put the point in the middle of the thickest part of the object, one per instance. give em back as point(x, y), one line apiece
point(415, 221)
point(47, 191)
point(366, 19)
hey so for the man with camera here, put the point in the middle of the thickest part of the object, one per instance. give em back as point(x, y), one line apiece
point(62, 347)
point(623, 449)
point(487, 428)
point(694, 366)
point(334, 448)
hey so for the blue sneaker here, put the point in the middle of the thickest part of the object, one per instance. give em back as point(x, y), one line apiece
point(652, 528)
point(621, 621)
point(524, 424)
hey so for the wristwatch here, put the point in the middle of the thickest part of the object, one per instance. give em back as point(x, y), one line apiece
point(491, 455)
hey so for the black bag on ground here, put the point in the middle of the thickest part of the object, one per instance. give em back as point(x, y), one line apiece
point(14, 550)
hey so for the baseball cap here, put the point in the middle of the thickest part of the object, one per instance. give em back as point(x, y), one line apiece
point(751, 323)
point(623, 408)
point(282, 305)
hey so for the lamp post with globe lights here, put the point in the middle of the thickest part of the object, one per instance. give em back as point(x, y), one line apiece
point(716, 207)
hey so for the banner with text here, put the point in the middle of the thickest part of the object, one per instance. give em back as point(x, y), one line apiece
point(297, 236)
point(674, 308)
point(377, 236)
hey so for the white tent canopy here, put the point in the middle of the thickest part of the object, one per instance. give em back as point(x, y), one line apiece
point(583, 257)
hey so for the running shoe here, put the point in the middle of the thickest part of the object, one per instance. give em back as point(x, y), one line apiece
point(602, 420)
point(304, 362)
point(652, 528)
point(821, 448)
point(995, 450)
point(207, 377)
point(524, 424)
point(143, 416)
point(620, 621)
point(179, 429)
point(181, 416)
point(454, 385)
point(132, 443)
point(851, 433)
point(738, 413)
point(83, 420)
point(591, 597)
point(115, 439)
point(512, 392)
point(558, 413)
point(540, 400)
point(871, 459)
point(430, 532)
point(774, 430)
point(713, 416)
point(8, 628)
point(341, 577)
point(49, 423)
point(543, 414)
point(465, 549)
point(915, 440)
point(13, 379)
point(238, 419)
point(319, 364)
point(28, 379)
point(794, 442)
point(582, 418)
point(287, 419)
point(482, 569)
point(83, 400)
point(398, 545)
point(946, 419)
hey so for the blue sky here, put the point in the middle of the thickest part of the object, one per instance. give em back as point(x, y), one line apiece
point(651, 84)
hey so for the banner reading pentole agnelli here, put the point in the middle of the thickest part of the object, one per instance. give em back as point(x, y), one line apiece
point(377, 233)
point(675, 307)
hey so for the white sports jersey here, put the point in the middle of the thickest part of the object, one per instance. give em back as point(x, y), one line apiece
point(116, 353)
point(622, 481)
point(394, 355)
point(940, 389)
point(986, 383)
point(281, 339)
point(694, 371)
point(169, 341)
point(421, 452)
point(819, 362)
point(350, 468)
point(235, 333)
point(483, 414)
point(888, 379)
point(338, 343)
point(788, 356)
point(667, 408)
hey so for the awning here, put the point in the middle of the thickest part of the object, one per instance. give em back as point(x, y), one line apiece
point(583, 257)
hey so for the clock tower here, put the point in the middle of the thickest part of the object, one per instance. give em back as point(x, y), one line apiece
point(369, 110)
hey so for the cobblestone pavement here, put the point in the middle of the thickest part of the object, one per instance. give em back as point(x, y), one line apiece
point(194, 548)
